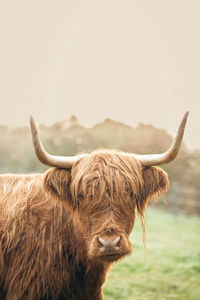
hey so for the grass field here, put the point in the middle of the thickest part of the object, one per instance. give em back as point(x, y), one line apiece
point(168, 269)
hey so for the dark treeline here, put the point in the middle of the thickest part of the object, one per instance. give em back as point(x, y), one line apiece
point(69, 138)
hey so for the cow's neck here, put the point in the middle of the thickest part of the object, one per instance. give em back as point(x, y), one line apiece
point(95, 277)
point(95, 270)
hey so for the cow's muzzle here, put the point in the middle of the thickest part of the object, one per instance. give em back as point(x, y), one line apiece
point(110, 247)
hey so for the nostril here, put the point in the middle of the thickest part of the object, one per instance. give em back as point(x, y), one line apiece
point(101, 242)
point(109, 244)
point(117, 241)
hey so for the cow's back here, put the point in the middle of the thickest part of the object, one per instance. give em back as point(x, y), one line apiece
point(15, 188)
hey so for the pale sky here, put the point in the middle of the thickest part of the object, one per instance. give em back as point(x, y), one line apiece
point(132, 61)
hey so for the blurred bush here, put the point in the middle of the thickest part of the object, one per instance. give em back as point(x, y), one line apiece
point(69, 138)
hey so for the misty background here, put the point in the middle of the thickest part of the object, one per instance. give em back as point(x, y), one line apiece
point(131, 61)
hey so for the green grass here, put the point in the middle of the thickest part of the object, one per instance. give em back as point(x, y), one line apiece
point(169, 268)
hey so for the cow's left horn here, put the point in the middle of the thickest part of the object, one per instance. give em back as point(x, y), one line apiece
point(46, 158)
point(169, 155)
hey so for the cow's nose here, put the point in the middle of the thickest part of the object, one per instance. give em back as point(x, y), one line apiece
point(109, 246)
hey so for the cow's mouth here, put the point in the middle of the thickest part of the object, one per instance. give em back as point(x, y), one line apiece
point(111, 257)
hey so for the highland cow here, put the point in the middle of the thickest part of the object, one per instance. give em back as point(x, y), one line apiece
point(62, 230)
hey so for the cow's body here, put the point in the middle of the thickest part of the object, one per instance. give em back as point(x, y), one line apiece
point(49, 244)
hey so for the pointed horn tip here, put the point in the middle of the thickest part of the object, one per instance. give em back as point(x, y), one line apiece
point(184, 120)
point(186, 115)
point(32, 124)
point(31, 120)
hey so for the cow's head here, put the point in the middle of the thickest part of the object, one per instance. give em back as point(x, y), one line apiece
point(104, 189)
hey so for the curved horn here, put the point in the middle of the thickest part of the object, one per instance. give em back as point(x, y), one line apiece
point(48, 159)
point(170, 154)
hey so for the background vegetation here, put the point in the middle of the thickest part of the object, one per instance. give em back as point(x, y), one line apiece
point(69, 137)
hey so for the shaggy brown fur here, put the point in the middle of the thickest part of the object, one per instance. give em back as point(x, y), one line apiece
point(50, 224)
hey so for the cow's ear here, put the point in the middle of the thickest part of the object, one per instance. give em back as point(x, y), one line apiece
point(57, 183)
point(155, 185)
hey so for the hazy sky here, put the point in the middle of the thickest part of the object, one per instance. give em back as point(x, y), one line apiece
point(132, 61)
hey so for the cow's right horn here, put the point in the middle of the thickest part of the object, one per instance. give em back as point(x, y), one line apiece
point(46, 158)
point(166, 157)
